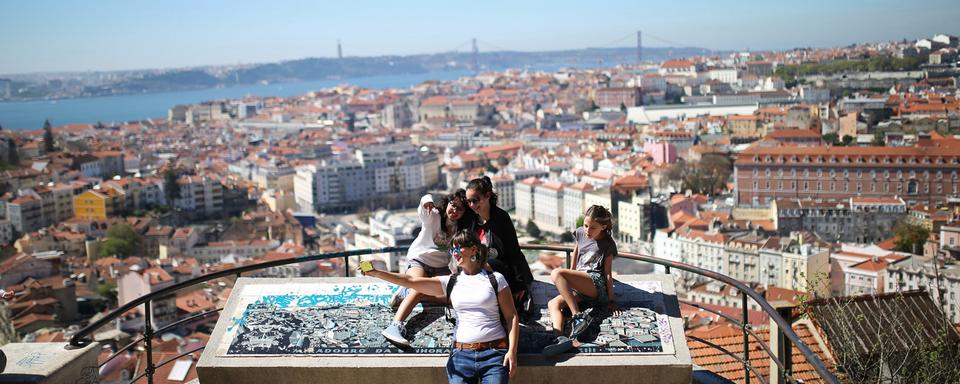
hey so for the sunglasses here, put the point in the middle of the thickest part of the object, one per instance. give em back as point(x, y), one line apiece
point(455, 208)
point(455, 250)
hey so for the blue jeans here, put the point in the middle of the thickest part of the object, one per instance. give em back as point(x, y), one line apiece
point(468, 366)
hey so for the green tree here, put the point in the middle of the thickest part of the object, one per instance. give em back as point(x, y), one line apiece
point(108, 291)
point(831, 138)
point(171, 189)
point(567, 237)
point(533, 229)
point(910, 237)
point(580, 221)
point(122, 240)
point(48, 144)
point(847, 140)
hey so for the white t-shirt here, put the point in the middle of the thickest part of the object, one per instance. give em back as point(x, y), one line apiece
point(478, 315)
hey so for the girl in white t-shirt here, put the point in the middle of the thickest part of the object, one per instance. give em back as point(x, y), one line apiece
point(483, 350)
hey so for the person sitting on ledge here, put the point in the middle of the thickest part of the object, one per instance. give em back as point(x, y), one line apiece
point(591, 281)
point(428, 256)
point(484, 349)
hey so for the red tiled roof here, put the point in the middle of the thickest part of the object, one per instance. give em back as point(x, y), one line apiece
point(720, 363)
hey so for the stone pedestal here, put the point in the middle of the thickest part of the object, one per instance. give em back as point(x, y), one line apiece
point(50, 363)
point(327, 330)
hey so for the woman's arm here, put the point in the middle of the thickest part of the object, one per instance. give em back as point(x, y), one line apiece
point(576, 257)
point(429, 286)
point(505, 299)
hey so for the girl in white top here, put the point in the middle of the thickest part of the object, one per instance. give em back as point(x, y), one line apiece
point(427, 256)
point(483, 350)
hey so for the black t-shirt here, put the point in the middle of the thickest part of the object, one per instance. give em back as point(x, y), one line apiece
point(505, 256)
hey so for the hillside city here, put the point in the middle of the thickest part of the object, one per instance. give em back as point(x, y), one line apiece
point(808, 173)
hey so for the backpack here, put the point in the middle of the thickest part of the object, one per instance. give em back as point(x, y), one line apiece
point(496, 293)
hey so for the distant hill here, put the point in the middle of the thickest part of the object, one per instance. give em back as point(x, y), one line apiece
point(91, 84)
point(328, 68)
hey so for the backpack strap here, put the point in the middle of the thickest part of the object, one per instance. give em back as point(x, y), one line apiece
point(496, 296)
point(450, 284)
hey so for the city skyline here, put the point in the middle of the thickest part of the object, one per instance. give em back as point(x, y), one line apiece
point(113, 36)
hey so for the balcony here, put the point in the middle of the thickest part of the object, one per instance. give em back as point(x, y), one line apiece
point(662, 355)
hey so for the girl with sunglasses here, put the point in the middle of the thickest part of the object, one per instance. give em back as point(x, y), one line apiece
point(495, 229)
point(484, 350)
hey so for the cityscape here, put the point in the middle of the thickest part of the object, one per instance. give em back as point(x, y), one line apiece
point(815, 176)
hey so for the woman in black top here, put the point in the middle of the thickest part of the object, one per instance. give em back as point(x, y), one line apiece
point(496, 231)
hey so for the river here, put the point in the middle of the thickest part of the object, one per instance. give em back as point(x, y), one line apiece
point(31, 114)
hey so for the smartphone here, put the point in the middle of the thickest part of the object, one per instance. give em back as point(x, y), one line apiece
point(366, 266)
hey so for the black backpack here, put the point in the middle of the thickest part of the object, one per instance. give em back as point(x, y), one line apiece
point(496, 294)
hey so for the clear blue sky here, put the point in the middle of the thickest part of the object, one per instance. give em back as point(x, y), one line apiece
point(42, 36)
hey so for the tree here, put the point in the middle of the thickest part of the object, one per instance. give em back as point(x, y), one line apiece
point(708, 176)
point(533, 229)
point(847, 140)
point(580, 221)
point(831, 138)
point(170, 186)
point(567, 237)
point(122, 240)
point(910, 237)
point(48, 144)
point(623, 107)
point(12, 152)
point(108, 291)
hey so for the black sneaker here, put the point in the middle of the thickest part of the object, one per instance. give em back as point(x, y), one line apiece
point(559, 345)
point(579, 323)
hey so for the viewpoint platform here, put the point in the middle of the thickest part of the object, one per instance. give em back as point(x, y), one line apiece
point(328, 330)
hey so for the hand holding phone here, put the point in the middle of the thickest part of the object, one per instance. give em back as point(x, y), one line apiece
point(366, 266)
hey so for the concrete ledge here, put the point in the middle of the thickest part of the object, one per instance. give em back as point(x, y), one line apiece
point(50, 363)
point(218, 365)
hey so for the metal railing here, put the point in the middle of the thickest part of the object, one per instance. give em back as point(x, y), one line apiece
point(783, 360)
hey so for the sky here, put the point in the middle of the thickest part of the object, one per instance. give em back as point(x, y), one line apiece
point(74, 35)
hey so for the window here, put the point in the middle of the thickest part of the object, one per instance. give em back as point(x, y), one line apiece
point(912, 187)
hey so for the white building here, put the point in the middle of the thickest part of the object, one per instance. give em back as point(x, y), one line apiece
point(200, 196)
point(139, 281)
point(725, 75)
point(216, 252)
point(631, 219)
point(525, 200)
point(943, 282)
point(386, 229)
point(548, 206)
point(505, 187)
point(574, 204)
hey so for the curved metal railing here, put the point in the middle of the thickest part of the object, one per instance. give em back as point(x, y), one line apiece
point(82, 337)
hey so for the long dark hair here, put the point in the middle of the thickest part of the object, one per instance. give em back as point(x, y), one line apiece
point(458, 197)
point(484, 186)
point(467, 239)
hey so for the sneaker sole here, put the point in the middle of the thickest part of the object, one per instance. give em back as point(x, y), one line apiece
point(392, 339)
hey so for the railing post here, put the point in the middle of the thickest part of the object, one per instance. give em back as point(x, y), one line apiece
point(785, 346)
point(148, 340)
point(346, 266)
point(746, 338)
point(667, 268)
point(568, 259)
